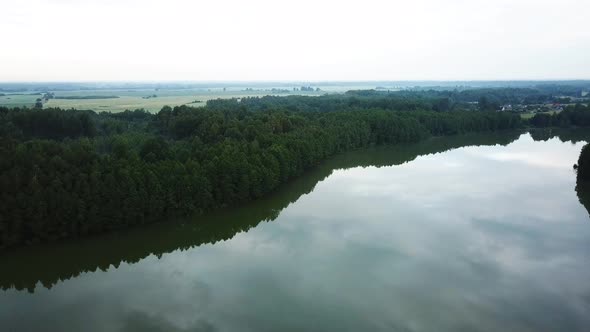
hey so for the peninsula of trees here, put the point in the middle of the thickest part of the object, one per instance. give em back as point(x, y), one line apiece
point(583, 177)
point(38, 265)
point(68, 173)
point(583, 165)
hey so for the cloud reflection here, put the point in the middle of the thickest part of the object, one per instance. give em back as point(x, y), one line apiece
point(458, 241)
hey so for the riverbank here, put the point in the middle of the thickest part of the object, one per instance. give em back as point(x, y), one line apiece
point(73, 173)
point(37, 263)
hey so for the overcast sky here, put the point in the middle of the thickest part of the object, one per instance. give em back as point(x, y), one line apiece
point(86, 40)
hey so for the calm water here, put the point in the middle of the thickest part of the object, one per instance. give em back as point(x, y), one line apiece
point(437, 236)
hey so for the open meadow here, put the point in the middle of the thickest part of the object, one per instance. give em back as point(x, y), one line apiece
point(149, 99)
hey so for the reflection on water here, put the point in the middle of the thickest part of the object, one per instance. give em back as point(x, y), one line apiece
point(481, 238)
point(51, 263)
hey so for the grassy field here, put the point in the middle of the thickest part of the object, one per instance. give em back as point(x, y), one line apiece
point(134, 95)
point(135, 99)
point(18, 100)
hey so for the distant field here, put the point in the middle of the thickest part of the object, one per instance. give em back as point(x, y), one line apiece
point(133, 99)
point(18, 100)
point(85, 97)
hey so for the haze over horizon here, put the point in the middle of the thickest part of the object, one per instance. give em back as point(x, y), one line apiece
point(179, 40)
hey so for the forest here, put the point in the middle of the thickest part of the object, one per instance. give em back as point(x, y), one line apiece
point(29, 267)
point(574, 115)
point(69, 173)
point(583, 165)
point(583, 177)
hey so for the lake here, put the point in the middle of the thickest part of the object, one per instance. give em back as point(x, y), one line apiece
point(465, 233)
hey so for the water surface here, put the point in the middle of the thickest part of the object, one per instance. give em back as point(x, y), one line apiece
point(476, 233)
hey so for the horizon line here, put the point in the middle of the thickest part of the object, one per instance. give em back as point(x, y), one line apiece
point(294, 81)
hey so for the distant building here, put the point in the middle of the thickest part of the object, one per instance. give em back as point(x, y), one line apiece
point(557, 107)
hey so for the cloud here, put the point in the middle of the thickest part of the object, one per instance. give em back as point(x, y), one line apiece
point(140, 321)
point(303, 40)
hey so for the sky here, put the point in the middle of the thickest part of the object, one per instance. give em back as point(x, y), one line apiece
point(308, 40)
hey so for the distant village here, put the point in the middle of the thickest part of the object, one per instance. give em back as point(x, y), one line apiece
point(556, 105)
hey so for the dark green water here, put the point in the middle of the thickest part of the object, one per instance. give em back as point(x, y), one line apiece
point(474, 233)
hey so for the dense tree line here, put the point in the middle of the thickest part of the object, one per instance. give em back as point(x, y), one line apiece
point(489, 99)
point(583, 165)
point(583, 177)
point(71, 173)
point(576, 115)
point(25, 269)
point(491, 95)
point(48, 124)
